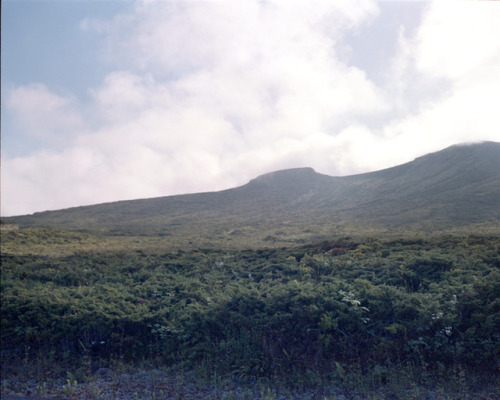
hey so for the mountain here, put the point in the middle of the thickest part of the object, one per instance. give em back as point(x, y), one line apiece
point(456, 190)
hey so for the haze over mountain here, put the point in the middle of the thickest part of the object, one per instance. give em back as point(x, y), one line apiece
point(456, 190)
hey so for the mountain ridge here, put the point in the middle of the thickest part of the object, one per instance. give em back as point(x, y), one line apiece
point(453, 190)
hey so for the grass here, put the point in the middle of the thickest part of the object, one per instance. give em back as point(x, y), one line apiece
point(182, 290)
point(55, 242)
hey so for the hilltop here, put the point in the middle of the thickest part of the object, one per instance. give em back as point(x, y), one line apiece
point(456, 190)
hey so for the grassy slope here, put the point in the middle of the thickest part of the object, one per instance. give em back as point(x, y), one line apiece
point(454, 191)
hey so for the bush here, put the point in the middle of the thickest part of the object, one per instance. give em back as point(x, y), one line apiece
point(280, 313)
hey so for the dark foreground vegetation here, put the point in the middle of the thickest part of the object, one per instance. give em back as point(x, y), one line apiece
point(346, 313)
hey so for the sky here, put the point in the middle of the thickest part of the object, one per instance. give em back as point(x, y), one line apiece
point(116, 100)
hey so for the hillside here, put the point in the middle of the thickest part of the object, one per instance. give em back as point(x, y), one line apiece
point(260, 285)
point(456, 190)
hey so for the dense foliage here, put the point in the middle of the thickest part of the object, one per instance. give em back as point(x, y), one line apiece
point(316, 311)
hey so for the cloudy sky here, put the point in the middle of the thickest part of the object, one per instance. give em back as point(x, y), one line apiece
point(112, 100)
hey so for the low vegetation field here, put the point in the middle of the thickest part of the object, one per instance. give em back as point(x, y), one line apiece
point(350, 313)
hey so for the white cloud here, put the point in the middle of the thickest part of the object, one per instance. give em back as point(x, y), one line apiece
point(459, 39)
point(207, 95)
point(457, 50)
point(122, 94)
point(42, 114)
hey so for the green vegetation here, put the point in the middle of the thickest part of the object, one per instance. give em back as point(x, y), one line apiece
point(240, 286)
point(345, 312)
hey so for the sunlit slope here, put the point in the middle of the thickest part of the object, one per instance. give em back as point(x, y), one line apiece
point(456, 190)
